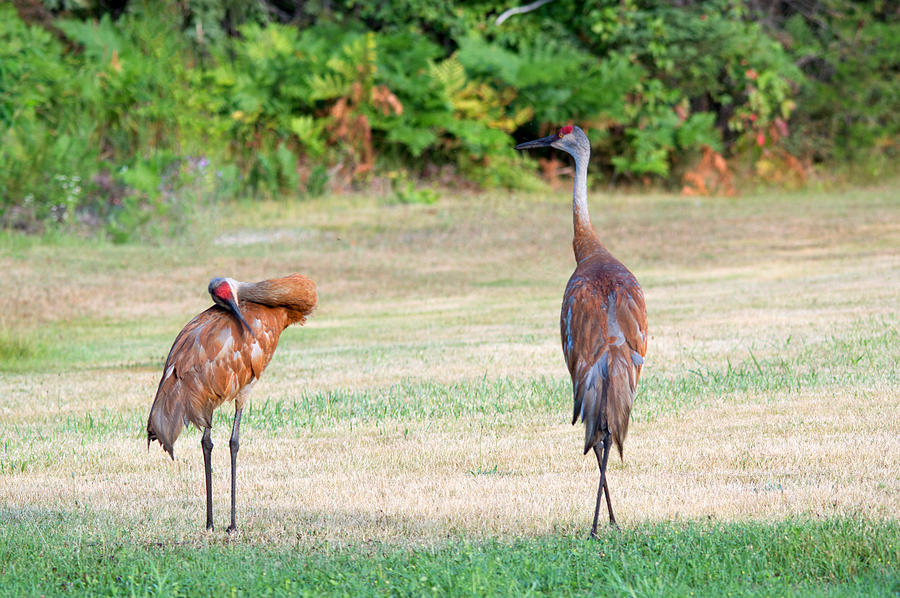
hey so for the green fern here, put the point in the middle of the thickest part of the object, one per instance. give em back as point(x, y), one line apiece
point(451, 75)
point(309, 132)
point(328, 86)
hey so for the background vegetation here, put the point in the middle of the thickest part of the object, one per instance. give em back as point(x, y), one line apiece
point(126, 116)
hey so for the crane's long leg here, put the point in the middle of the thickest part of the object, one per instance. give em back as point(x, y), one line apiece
point(597, 507)
point(234, 444)
point(603, 486)
point(207, 445)
point(607, 443)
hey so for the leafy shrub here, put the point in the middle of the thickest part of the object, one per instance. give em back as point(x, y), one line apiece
point(34, 71)
point(850, 54)
point(147, 110)
point(100, 138)
point(670, 81)
point(333, 94)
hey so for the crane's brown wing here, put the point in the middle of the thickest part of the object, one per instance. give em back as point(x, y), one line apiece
point(583, 330)
point(604, 330)
point(632, 316)
point(211, 360)
point(627, 329)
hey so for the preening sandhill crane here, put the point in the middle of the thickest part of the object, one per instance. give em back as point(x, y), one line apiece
point(603, 324)
point(219, 355)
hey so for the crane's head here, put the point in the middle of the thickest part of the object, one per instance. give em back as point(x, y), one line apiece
point(569, 139)
point(224, 293)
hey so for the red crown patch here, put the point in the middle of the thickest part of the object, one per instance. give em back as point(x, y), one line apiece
point(223, 291)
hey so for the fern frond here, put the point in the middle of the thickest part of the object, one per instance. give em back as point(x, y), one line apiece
point(451, 74)
point(327, 87)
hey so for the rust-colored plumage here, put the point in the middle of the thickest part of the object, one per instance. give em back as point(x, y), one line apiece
point(604, 335)
point(603, 324)
point(219, 355)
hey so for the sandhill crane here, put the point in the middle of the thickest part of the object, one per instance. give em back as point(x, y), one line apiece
point(603, 324)
point(219, 355)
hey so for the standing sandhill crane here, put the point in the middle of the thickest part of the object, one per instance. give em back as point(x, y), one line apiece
point(218, 357)
point(603, 324)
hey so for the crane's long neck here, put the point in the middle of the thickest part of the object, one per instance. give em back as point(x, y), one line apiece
point(585, 240)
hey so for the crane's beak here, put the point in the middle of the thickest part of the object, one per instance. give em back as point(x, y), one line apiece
point(542, 142)
point(236, 311)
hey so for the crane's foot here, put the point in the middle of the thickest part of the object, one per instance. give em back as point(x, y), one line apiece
point(231, 529)
point(612, 525)
point(210, 528)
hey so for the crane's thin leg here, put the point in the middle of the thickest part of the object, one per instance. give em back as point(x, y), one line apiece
point(234, 444)
point(207, 445)
point(603, 486)
point(607, 443)
point(599, 498)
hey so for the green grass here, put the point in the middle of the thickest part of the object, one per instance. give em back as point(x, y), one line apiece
point(836, 557)
point(16, 349)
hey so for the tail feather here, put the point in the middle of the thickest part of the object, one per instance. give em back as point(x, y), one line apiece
point(605, 396)
point(165, 422)
point(595, 415)
point(592, 401)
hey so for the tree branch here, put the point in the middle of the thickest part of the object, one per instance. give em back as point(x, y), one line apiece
point(519, 10)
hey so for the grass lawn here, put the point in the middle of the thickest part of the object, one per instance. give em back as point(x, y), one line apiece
point(413, 438)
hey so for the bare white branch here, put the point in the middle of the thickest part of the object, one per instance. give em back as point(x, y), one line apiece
point(519, 10)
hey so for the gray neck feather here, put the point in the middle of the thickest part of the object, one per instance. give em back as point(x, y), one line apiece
point(579, 192)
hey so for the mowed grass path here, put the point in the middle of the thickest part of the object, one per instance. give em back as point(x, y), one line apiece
point(414, 434)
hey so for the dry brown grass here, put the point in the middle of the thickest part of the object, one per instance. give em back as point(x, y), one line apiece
point(451, 293)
